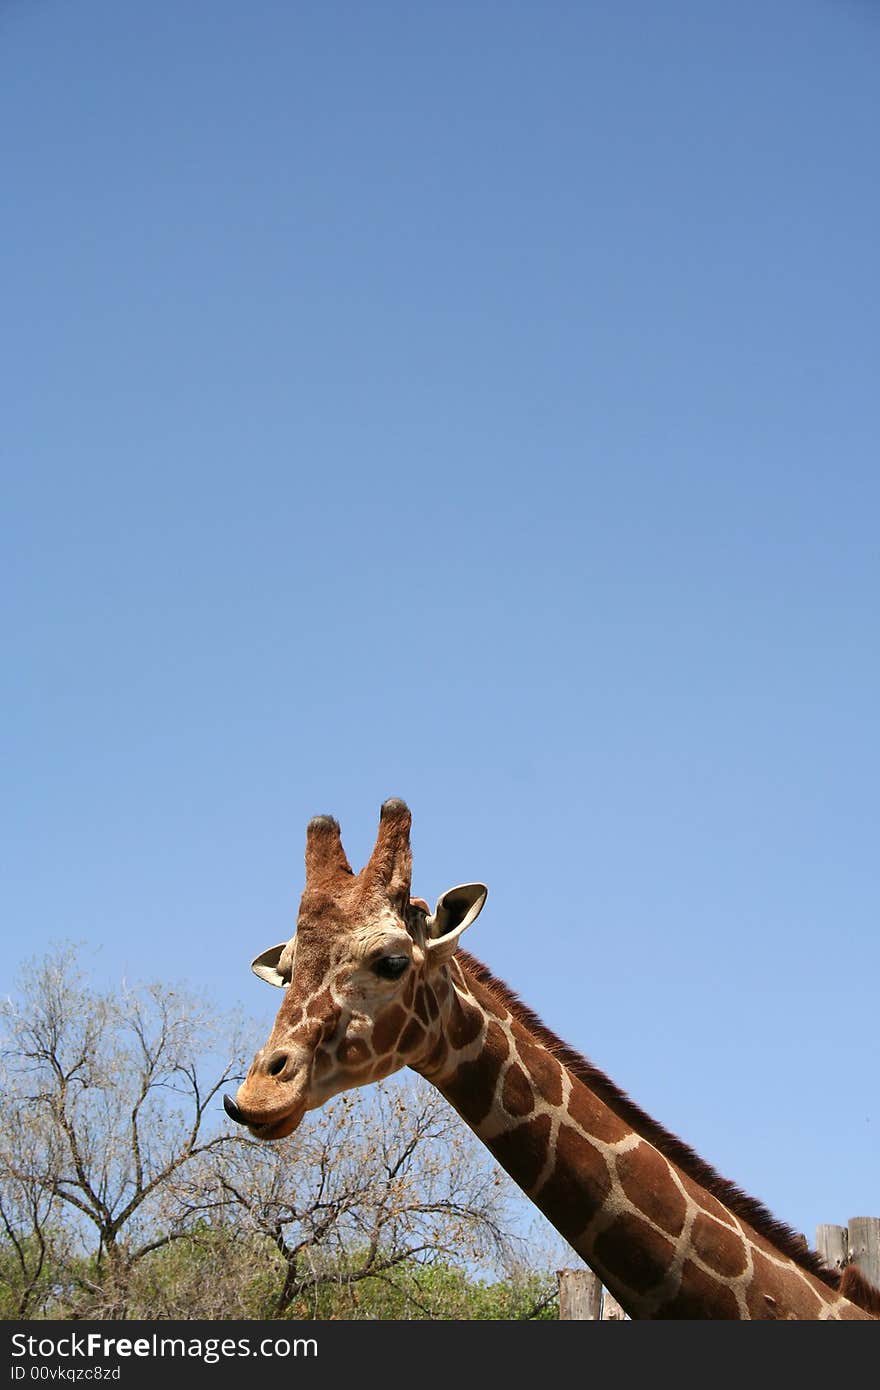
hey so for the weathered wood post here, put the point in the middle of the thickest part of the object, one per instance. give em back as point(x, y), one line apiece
point(857, 1243)
point(580, 1294)
point(832, 1244)
point(864, 1246)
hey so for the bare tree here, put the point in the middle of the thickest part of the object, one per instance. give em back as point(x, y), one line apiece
point(375, 1181)
point(115, 1103)
point(34, 1232)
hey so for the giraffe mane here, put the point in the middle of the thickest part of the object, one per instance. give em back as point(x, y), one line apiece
point(851, 1283)
point(858, 1289)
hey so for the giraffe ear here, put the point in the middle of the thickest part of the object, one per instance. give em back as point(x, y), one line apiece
point(269, 966)
point(455, 910)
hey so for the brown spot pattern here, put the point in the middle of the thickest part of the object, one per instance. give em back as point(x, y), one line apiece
point(388, 1028)
point(705, 1200)
point(308, 1034)
point(594, 1116)
point(492, 1006)
point(522, 1151)
point(634, 1252)
point(719, 1247)
point(465, 1023)
point(788, 1290)
point(700, 1296)
point(517, 1097)
point(472, 1089)
point(322, 1005)
point(645, 1178)
point(544, 1069)
point(496, 1042)
point(422, 1005)
point(578, 1185)
point(413, 1035)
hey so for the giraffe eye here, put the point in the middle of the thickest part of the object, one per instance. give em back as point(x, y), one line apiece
point(390, 967)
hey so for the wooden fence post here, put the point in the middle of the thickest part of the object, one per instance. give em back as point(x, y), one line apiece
point(832, 1243)
point(580, 1294)
point(864, 1246)
point(857, 1243)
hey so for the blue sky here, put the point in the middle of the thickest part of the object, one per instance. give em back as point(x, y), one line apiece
point(475, 404)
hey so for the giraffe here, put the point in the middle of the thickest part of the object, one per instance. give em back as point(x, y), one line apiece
point(374, 981)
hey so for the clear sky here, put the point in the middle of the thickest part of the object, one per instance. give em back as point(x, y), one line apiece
point(474, 403)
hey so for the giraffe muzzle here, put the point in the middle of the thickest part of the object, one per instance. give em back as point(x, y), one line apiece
point(262, 1126)
point(274, 1096)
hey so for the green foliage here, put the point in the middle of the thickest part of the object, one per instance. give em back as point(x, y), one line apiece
point(217, 1273)
point(435, 1291)
point(206, 1273)
point(25, 1276)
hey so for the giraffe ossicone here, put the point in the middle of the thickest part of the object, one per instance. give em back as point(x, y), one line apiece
point(374, 981)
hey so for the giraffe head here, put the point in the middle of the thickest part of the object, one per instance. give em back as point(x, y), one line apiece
point(361, 977)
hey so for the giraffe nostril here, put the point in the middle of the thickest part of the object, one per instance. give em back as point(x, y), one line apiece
point(276, 1063)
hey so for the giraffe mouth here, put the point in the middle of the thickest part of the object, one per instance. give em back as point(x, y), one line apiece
point(276, 1127)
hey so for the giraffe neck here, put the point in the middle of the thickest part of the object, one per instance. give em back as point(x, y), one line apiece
point(659, 1240)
